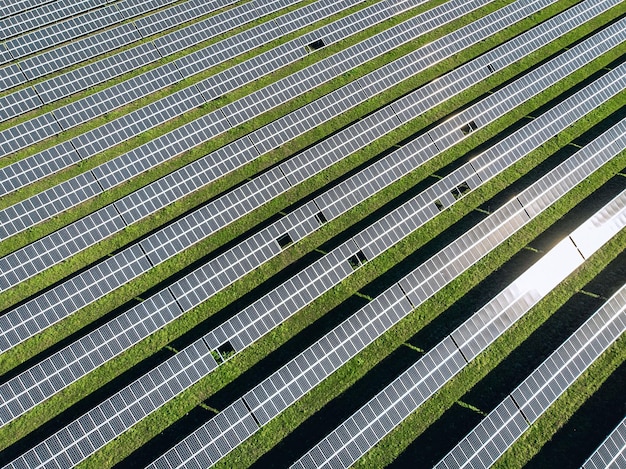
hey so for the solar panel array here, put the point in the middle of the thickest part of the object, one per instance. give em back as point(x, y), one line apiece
point(277, 392)
point(271, 309)
point(134, 49)
point(334, 267)
point(167, 242)
point(611, 454)
point(128, 91)
point(118, 413)
point(110, 174)
point(372, 422)
point(228, 268)
point(80, 79)
point(484, 445)
point(87, 23)
point(188, 136)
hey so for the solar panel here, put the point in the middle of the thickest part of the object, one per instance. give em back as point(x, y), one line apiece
point(137, 122)
point(224, 432)
point(104, 101)
point(87, 76)
point(18, 6)
point(66, 298)
point(78, 51)
point(590, 236)
point(132, 8)
point(182, 234)
point(11, 75)
point(40, 165)
point(63, 31)
point(44, 15)
point(24, 134)
point(17, 218)
point(50, 376)
point(93, 429)
point(5, 55)
point(46, 252)
point(209, 28)
point(18, 103)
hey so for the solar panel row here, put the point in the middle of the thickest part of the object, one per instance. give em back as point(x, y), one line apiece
point(484, 445)
point(63, 31)
point(75, 52)
point(114, 415)
point(18, 6)
point(366, 427)
point(293, 294)
point(194, 227)
point(211, 442)
point(611, 454)
point(80, 79)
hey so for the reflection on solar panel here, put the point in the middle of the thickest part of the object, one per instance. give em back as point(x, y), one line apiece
point(611, 454)
point(484, 445)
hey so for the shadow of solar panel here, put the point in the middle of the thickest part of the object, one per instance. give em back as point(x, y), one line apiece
point(611, 454)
